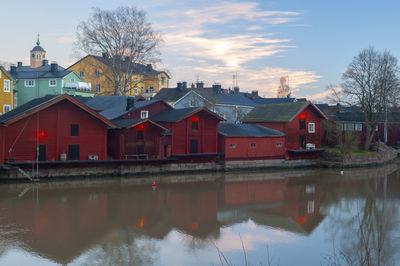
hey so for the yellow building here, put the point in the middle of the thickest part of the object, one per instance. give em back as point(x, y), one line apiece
point(6, 91)
point(96, 70)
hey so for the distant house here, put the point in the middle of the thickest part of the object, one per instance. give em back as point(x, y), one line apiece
point(300, 121)
point(53, 128)
point(41, 78)
point(232, 106)
point(97, 70)
point(6, 91)
point(250, 142)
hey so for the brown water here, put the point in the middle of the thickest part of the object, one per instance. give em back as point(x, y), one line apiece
point(301, 217)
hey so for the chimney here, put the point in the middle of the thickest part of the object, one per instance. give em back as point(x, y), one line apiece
point(184, 85)
point(19, 64)
point(200, 84)
point(149, 67)
point(13, 69)
point(236, 90)
point(179, 85)
point(254, 94)
point(104, 55)
point(45, 62)
point(130, 102)
point(192, 86)
point(54, 67)
point(216, 86)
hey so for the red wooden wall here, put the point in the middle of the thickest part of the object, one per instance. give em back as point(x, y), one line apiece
point(265, 148)
point(20, 138)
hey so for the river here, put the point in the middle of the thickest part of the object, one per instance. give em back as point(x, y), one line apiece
point(297, 217)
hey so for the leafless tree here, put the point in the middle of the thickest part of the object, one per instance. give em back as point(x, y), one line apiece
point(371, 82)
point(127, 40)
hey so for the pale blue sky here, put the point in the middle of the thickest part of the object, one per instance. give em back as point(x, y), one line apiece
point(311, 41)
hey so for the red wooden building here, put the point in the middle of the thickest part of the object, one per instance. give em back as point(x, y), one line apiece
point(193, 130)
point(250, 142)
point(300, 121)
point(53, 128)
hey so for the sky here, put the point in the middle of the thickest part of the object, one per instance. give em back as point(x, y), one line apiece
point(311, 41)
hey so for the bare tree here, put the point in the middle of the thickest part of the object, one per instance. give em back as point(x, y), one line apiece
point(127, 41)
point(371, 82)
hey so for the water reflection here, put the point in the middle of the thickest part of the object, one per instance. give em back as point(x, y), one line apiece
point(118, 223)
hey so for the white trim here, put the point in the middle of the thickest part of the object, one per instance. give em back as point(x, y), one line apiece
point(311, 127)
point(52, 85)
point(144, 114)
point(4, 108)
point(7, 81)
point(29, 81)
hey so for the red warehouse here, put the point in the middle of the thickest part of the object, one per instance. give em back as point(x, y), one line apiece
point(53, 128)
point(193, 130)
point(250, 142)
point(137, 139)
point(300, 121)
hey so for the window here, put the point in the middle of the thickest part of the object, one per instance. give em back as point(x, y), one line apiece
point(0, 73)
point(97, 88)
point(232, 145)
point(136, 90)
point(194, 146)
point(6, 108)
point(162, 80)
point(6, 85)
point(302, 124)
point(29, 83)
point(140, 134)
point(52, 83)
point(311, 127)
point(278, 144)
point(41, 155)
point(33, 55)
point(81, 74)
point(151, 89)
point(358, 127)
point(38, 57)
point(348, 127)
point(195, 125)
point(144, 114)
point(252, 145)
point(72, 80)
point(310, 206)
point(377, 128)
point(96, 73)
point(74, 130)
point(310, 189)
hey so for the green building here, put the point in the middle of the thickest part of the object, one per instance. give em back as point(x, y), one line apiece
point(41, 78)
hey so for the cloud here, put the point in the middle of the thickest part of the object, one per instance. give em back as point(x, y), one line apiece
point(66, 38)
point(325, 95)
point(254, 28)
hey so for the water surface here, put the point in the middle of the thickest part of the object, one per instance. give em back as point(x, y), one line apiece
point(298, 217)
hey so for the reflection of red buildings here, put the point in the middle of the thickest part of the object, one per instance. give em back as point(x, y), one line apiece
point(61, 224)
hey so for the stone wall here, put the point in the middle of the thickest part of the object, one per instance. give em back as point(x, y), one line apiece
point(332, 159)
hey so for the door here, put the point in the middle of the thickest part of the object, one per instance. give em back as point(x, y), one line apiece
point(41, 155)
point(73, 152)
point(303, 141)
point(194, 146)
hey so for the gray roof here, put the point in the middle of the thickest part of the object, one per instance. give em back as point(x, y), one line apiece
point(261, 100)
point(38, 48)
point(247, 130)
point(26, 107)
point(43, 72)
point(174, 115)
point(122, 123)
point(112, 107)
point(234, 99)
point(283, 112)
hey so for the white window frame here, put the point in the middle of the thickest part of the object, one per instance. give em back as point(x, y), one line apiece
point(136, 90)
point(7, 85)
point(81, 74)
point(377, 128)
point(29, 83)
point(310, 206)
point(8, 107)
point(97, 88)
point(38, 57)
point(278, 144)
point(253, 145)
point(144, 114)
point(348, 127)
point(151, 89)
point(358, 127)
point(52, 85)
point(163, 81)
point(232, 145)
point(311, 127)
point(0, 73)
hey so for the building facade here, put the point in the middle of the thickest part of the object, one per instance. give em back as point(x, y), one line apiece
point(6, 91)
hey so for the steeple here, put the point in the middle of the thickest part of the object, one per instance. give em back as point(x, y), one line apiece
point(37, 55)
